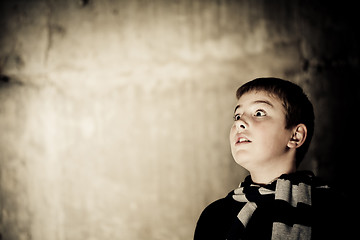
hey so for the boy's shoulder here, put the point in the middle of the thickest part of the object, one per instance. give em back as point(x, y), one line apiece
point(216, 219)
point(326, 194)
point(222, 206)
point(334, 212)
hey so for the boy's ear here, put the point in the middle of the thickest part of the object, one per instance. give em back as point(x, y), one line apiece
point(298, 136)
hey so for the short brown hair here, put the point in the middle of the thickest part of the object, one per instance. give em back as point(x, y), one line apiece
point(298, 108)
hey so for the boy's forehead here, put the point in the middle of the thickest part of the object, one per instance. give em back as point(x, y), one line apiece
point(258, 97)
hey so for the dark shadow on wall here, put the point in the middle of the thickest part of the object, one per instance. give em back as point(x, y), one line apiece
point(335, 68)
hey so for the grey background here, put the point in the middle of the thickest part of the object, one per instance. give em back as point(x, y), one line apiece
point(114, 115)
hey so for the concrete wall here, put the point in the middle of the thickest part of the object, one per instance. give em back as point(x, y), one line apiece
point(114, 115)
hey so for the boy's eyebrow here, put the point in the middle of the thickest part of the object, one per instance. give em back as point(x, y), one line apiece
point(256, 102)
point(263, 101)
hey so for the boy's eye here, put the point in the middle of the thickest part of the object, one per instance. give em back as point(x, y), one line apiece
point(237, 117)
point(260, 113)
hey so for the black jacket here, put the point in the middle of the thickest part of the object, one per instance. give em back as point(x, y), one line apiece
point(331, 218)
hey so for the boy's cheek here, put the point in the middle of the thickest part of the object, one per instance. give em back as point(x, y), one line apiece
point(232, 131)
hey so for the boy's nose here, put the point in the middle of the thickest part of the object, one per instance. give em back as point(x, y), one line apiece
point(240, 125)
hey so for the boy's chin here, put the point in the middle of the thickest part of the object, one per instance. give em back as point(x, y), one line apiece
point(242, 157)
point(243, 162)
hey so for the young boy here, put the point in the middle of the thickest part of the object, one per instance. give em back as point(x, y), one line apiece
point(272, 130)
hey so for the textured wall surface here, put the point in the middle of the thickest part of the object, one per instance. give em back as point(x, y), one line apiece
point(114, 115)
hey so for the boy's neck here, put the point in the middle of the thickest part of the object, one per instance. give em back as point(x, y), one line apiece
point(264, 176)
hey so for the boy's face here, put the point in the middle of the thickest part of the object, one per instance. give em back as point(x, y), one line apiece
point(258, 136)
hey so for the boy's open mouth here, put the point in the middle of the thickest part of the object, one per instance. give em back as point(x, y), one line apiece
point(242, 139)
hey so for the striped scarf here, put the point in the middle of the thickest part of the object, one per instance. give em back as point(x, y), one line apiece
point(289, 195)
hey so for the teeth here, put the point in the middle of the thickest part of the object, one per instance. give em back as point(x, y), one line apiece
point(243, 140)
